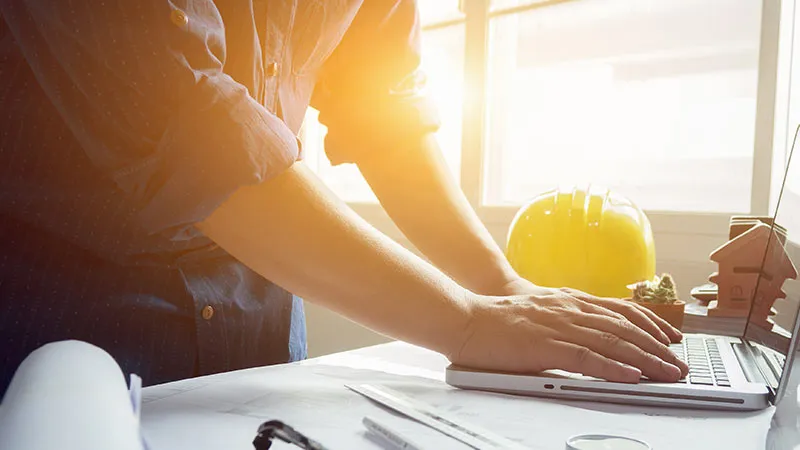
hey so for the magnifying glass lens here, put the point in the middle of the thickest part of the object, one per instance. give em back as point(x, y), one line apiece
point(605, 442)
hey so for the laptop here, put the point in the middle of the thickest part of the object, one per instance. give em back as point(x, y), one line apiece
point(748, 372)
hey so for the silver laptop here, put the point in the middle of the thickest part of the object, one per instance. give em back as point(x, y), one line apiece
point(734, 373)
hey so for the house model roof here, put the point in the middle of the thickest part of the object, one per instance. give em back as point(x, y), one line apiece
point(747, 250)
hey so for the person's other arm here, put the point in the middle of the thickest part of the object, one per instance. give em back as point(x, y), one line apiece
point(417, 190)
point(371, 97)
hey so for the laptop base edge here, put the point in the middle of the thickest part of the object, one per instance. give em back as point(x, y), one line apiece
point(617, 393)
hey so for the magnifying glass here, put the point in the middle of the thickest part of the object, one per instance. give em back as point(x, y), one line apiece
point(605, 442)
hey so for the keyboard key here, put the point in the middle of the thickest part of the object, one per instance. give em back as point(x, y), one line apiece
point(702, 380)
point(699, 375)
point(723, 383)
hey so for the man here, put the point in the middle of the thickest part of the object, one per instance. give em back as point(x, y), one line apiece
point(153, 202)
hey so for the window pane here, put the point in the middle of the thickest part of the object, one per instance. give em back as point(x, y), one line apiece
point(442, 61)
point(434, 11)
point(496, 5)
point(793, 116)
point(655, 99)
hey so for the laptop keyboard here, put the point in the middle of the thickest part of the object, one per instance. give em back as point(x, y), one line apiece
point(704, 361)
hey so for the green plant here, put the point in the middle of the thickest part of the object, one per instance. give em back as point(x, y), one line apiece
point(659, 290)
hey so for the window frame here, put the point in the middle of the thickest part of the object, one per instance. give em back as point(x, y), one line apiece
point(689, 236)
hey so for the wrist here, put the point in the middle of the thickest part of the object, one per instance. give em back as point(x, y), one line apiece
point(460, 324)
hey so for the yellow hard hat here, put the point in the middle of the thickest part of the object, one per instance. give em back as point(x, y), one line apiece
point(591, 239)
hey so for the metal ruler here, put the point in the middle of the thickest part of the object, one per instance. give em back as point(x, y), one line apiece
point(446, 423)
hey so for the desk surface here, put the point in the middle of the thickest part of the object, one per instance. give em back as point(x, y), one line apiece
point(222, 412)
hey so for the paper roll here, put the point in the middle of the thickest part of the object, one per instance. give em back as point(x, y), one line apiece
point(68, 395)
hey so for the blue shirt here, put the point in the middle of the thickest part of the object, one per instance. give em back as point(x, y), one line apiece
point(124, 123)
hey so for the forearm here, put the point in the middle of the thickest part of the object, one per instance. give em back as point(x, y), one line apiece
point(419, 194)
point(294, 232)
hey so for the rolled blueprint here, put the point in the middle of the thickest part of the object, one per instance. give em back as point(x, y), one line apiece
point(69, 395)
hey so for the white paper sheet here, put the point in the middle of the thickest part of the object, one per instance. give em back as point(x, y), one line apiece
point(224, 411)
point(68, 395)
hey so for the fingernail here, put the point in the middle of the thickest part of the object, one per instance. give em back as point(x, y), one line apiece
point(670, 369)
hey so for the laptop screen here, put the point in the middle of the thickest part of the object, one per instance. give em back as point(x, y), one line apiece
point(772, 246)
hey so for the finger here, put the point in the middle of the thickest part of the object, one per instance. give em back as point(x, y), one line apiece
point(612, 346)
point(633, 334)
point(635, 315)
point(627, 309)
point(674, 334)
point(578, 359)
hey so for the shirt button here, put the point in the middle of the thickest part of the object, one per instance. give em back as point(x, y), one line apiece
point(207, 312)
point(272, 69)
point(179, 17)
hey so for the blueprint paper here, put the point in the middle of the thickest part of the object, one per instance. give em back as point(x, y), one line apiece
point(224, 411)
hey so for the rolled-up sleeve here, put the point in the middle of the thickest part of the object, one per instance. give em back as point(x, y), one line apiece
point(140, 84)
point(371, 91)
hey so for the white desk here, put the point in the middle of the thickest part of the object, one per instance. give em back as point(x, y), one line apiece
point(222, 412)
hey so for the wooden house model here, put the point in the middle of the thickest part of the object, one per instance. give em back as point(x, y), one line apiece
point(740, 261)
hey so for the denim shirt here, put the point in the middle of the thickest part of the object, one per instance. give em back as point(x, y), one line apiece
point(125, 123)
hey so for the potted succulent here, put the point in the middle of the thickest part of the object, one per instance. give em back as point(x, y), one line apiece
point(660, 296)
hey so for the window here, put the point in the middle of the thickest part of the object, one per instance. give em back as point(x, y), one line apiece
point(655, 99)
point(682, 105)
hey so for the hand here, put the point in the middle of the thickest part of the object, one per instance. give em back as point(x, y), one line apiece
point(651, 323)
point(568, 330)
